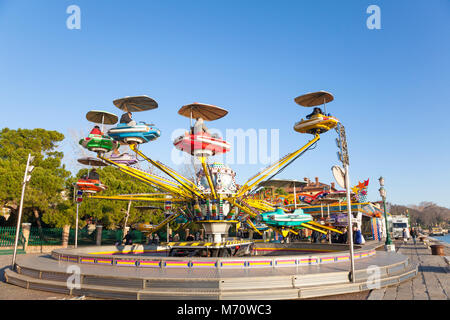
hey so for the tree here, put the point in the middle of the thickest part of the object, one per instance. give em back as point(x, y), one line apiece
point(111, 213)
point(44, 193)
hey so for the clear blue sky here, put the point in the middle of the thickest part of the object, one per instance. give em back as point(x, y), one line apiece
point(391, 86)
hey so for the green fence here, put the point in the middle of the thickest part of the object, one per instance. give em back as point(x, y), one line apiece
point(7, 239)
point(53, 237)
point(45, 237)
point(7, 236)
point(85, 238)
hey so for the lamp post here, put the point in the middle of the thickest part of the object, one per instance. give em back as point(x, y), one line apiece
point(27, 176)
point(388, 245)
point(409, 218)
point(343, 157)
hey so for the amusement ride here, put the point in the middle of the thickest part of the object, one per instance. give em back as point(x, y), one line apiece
point(212, 199)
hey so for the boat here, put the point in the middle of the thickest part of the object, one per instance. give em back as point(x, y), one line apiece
point(201, 145)
point(140, 133)
point(98, 143)
point(436, 231)
point(90, 185)
point(318, 123)
point(280, 218)
point(124, 158)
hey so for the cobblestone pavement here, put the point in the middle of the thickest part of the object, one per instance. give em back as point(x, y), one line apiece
point(431, 283)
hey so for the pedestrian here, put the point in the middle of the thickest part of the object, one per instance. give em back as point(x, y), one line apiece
point(156, 239)
point(414, 235)
point(176, 237)
point(405, 235)
point(128, 239)
point(150, 238)
point(357, 236)
point(190, 237)
point(315, 236)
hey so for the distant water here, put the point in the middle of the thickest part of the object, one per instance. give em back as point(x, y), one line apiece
point(445, 238)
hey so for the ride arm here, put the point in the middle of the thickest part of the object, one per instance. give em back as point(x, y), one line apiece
point(149, 178)
point(167, 220)
point(250, 223)
point(185, 183)
point(324, 227)
point(208, 177)
point(254, 215)
point(306, 225)
point(134, 198)
point(271, 169)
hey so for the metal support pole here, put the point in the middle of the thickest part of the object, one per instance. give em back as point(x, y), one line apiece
point(19, 218)
point(295, 198)
point(126, 219)
point(350, 227)
point(76, 227)
point(388, 237)
point(167, 233)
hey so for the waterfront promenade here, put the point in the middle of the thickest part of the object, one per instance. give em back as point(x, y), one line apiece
point(432, 281)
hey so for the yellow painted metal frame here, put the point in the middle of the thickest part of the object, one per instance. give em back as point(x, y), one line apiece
point(135, 198)
point(306, 225)
point(208, 177)
point(266, 172)
point(185, 183)
point(253, 215)
point(165, 221)
point(325, 227)
point(149, 178)
point(250, 223)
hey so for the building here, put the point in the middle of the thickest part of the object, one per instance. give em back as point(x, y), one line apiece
point(312, 188)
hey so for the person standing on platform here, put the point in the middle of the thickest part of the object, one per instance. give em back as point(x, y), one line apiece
point(357, 236)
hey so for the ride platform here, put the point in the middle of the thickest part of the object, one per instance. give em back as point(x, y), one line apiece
point(256, 277)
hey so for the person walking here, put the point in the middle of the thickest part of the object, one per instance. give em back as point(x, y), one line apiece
point(414, 235)
point(405, 235)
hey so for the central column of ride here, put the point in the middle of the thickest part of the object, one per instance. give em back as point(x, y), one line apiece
point(216, 181)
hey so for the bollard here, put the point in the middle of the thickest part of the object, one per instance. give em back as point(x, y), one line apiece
point(99, 235)
point(437, 250)
point(65, 236)
point(26, 228)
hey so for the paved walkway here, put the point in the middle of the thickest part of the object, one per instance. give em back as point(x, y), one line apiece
point(431, 283)
point(11, 292)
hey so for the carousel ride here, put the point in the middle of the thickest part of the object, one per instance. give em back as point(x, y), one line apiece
point(213, 200)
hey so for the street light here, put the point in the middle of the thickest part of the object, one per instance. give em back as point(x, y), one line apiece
point(341, 143)
point(389, 246)
point(27, 176)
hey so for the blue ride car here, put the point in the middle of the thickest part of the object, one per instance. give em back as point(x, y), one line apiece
point(140, 133)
